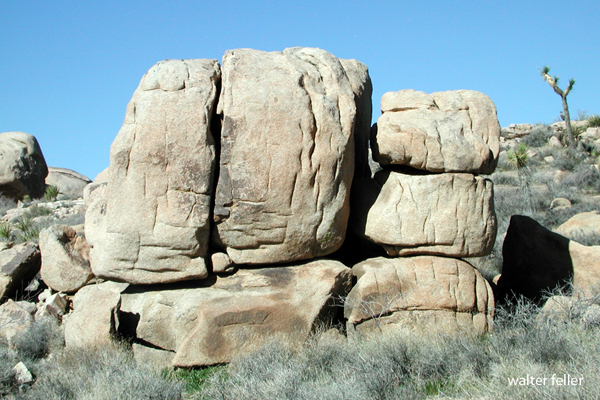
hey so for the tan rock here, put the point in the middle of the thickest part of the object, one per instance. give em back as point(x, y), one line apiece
point(586, 269)
point(156, 223)
point(15, 321)
point(222, 263)
point(287, 155)
point(94, 319)
point(18, 266)
point(65, 259)
point(586, 223)
point(422, 292)
point(560, 203)
point(214, 323)
point(455, 131)
point(437, 214)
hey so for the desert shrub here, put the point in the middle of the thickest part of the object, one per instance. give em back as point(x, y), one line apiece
point(504, 178)
point(35, 210)
point(413, 366)
point(584, 177)
point(567, 160)
point(102, 373)
point(594, 121)
point(539, 136)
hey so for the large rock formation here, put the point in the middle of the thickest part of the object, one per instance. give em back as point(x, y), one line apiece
point(22, 166)
point(440, 214)
point(287, 154)
point(455, 131)
point(232, 315)
point(69, 183)
point(423, 293)
point(156, 223)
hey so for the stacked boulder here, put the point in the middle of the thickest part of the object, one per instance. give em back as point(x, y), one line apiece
point(225, 183)
point(428, 207)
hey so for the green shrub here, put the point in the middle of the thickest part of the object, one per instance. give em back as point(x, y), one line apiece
point(6, 204)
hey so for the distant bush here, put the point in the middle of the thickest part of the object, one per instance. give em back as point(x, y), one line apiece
point(539, 136)
point(593, 121)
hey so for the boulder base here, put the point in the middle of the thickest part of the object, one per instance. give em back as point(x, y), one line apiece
point(214, 323)
point(422, 293)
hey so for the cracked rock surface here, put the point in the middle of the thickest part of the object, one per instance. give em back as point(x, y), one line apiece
point(158, 195)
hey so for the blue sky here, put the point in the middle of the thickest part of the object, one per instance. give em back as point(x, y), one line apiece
point(69, 68)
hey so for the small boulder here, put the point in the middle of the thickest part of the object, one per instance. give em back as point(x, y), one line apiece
point(18, 266)
point(94, 318)
point(560, 204)
point(22, 374)
point(586, 224)
point(65, 259)
point(14, 321)
point(23, 169)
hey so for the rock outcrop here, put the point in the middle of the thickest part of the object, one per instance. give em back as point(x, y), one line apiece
point(23, 169)
point(287, 154)
point(455, 131)
point(425, 293)
point(582, 224)
point(69, 183)
point(158, 196)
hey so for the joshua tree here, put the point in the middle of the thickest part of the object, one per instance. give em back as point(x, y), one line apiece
point(553, 82)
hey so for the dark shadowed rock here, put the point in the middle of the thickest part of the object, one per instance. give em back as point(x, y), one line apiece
point(18, 266)
point(535, 260)
point(23, 169)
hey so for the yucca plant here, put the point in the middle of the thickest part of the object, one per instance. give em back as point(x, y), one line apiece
point(6, 230)
point(520, 159)
point(51, 193)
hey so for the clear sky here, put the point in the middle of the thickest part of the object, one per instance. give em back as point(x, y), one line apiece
point(69, 68)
